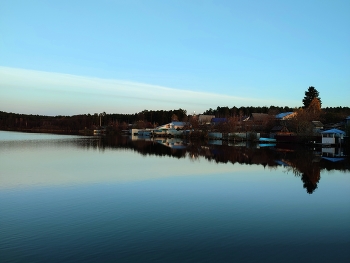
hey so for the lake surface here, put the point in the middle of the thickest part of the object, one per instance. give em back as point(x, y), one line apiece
point(91, 199)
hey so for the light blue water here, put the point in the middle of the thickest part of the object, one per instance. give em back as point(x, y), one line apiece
point(64, 199)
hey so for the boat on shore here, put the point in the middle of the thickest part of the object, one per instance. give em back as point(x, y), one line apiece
point(266, 140)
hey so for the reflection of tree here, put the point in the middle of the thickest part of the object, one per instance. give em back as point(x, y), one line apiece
point(300, 161)
point(309, 185)
point(311, 176)
point(193, 151)
point(303, 165)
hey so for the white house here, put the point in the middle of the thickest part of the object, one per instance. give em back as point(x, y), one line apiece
point(332, 136)
point(172, 125)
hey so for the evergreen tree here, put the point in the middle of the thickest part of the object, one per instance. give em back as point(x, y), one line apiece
point(310, 94)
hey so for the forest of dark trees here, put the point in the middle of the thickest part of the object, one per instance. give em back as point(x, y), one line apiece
point(225, 112)
point(143, 119)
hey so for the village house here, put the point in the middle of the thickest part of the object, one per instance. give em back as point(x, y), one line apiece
point(332, 137)
point(205, 119)
point(258, 121)
point(176, 125)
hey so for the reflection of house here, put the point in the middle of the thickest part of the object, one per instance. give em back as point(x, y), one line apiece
point(172, 143)
point(215, 135)
point(332, 136)
point(279, 130)
point(333, 154)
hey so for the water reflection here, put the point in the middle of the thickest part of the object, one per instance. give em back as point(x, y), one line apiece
point(112, 199)
point(301, 161)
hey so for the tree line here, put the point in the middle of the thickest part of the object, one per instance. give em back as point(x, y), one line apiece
point(144, 119)
point(225, 112)
point(153, 118)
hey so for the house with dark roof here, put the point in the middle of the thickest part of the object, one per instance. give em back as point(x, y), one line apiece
point(258, 121)
point(259, 117)
point(216, 121)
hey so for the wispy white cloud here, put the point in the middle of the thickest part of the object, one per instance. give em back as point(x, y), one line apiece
point(39, 92)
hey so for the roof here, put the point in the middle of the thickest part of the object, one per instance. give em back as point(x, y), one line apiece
point(333, 131)
point(260, 116)
point(334, 159)
point(317, 123)
point(178, 123)
point(283, 115)
point(218, 120)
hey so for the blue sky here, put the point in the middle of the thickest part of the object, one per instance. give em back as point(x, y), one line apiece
point(72, 57)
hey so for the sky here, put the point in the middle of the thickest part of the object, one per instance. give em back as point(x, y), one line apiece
point(76, 57)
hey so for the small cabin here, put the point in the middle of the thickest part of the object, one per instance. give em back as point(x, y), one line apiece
point(332, 136)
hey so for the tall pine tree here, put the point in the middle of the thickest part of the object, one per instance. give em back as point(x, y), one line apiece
point(310, 94)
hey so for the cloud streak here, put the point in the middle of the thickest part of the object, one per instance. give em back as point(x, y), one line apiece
point(38, 92)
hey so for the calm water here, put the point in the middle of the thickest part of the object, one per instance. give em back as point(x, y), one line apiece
point(84, 199)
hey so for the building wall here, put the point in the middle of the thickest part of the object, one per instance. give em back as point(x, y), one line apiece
point(328, 140)
point(205, 119)
point(328, 151)
point(216, 135)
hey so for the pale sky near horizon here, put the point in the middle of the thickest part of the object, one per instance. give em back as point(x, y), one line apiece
point(73, 57)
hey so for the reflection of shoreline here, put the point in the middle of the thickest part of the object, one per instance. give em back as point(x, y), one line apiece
point(249, 153)
point(303, 162)
point(243, 153)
